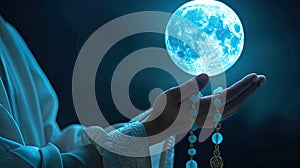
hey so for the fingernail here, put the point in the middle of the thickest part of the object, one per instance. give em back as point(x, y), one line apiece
point(253, 76)
point(262, 80)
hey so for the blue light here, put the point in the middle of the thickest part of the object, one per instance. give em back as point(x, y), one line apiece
point(217, 138)
point(208, 37)
point(191, 164)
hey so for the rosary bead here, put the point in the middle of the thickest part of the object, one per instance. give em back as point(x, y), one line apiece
point(196, 97)
point(192, 151)
point(191, 164)
point(217, 117)
point(217, 102)
point(193, 112)
point(192, 138)
point(218, 90)
point(217, 138)
point(194, 127)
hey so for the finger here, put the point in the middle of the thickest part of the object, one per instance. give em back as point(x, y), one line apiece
point(188, 88)
point(234, 105)
point(237, 88)
point(232, 92)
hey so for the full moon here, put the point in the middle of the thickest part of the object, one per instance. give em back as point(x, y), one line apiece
point(204, 36)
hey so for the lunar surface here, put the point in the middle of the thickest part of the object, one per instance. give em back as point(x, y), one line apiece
point(204, 36)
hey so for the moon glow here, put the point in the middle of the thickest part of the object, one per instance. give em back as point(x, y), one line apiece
point(211, 43)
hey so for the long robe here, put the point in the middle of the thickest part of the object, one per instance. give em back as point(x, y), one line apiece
point(29, 133)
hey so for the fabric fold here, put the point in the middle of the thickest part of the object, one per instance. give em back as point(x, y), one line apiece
point(51, 157)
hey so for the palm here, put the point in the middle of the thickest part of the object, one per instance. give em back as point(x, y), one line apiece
point(174, 104)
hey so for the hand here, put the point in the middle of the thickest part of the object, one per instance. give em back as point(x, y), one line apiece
point(173, 105)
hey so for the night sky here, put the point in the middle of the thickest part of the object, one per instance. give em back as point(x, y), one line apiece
point(265, 133)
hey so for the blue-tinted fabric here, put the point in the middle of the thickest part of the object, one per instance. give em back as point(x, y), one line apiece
point(29, 134)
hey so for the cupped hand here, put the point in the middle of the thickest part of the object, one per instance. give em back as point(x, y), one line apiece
point(173, 105)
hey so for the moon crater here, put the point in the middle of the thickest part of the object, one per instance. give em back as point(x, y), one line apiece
point(204, 36)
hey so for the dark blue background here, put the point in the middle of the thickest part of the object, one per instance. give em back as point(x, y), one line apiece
point(266, 131)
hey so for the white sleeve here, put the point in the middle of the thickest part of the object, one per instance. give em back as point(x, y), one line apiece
point(120, 145)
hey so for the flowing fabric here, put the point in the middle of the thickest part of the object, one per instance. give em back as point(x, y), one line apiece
point(29, 134)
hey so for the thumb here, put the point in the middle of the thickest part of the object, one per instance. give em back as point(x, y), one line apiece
point(202, 80)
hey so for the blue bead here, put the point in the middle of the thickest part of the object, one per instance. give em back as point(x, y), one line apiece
point(217, 138)
point(217, 117)
point(194, 127)
point(191, 164)
point(193, 112)
point(217, 102)
point(192, 138)
point(196, 97)
point(192, 151)
point(218, 90)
